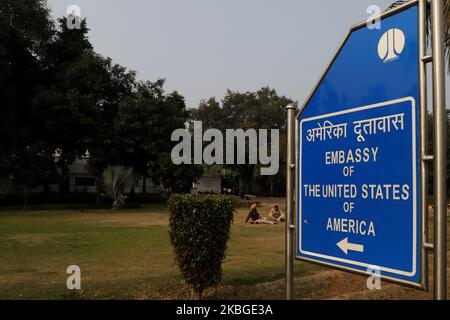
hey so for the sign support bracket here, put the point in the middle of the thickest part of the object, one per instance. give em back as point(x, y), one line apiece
point(426, 158)
point(439, 247)
point(440, 151)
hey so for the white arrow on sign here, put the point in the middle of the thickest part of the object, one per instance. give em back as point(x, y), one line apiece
point(346, 246)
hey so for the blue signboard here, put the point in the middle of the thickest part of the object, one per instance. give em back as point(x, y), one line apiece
point(358, 155)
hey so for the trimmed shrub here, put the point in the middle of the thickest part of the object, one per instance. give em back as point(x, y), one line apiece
point(199, 232)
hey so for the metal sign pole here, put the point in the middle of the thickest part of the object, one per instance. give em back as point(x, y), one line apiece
point(290, 189)
point(426, 158)
point(440, 151)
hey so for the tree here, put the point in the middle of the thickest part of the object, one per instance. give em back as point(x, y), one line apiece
point(144, 124)
point(210, 113)
point(263, 109)
point(26, 32)
point(111, 83)
point(66, 103)
point(28, 168)
point(177, 178)
point(136, 125)
point(80, 103)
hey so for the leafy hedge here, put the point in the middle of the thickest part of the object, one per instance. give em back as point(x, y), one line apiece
point(199, 232)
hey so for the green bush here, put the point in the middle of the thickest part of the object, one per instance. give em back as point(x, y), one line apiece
point(199, 232)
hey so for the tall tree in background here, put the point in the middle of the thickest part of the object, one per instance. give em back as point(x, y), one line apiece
point(81, 101)
point(67, 102)
point(30, 167)
point(26, 32)
point(263, 109)
point(144, 125)
point(111, 84)
point(177, 178)
point(56, 93)
point(210, 112)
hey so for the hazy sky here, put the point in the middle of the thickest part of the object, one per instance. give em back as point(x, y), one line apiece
point(204, 47)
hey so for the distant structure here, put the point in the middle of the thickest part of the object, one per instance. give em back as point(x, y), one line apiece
point(81, 180)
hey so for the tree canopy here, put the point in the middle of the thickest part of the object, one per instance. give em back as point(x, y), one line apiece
point(60, 100)
point(263, 109)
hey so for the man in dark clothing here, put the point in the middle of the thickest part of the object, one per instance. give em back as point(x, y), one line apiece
point(255, 218)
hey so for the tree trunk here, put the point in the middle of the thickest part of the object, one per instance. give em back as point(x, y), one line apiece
point(133, 191)
point(98, 190)
point(249, 185)
point(144, 184)
point(46, 192)
point(26, 197)
point(64, 187)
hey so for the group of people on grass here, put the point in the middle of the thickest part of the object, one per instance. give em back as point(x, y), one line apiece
point(275, 216)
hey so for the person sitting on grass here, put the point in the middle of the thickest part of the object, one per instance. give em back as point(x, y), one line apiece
point(276, 215)
point(255, 218)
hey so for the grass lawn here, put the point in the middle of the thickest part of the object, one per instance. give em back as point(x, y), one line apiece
point(122, 255)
